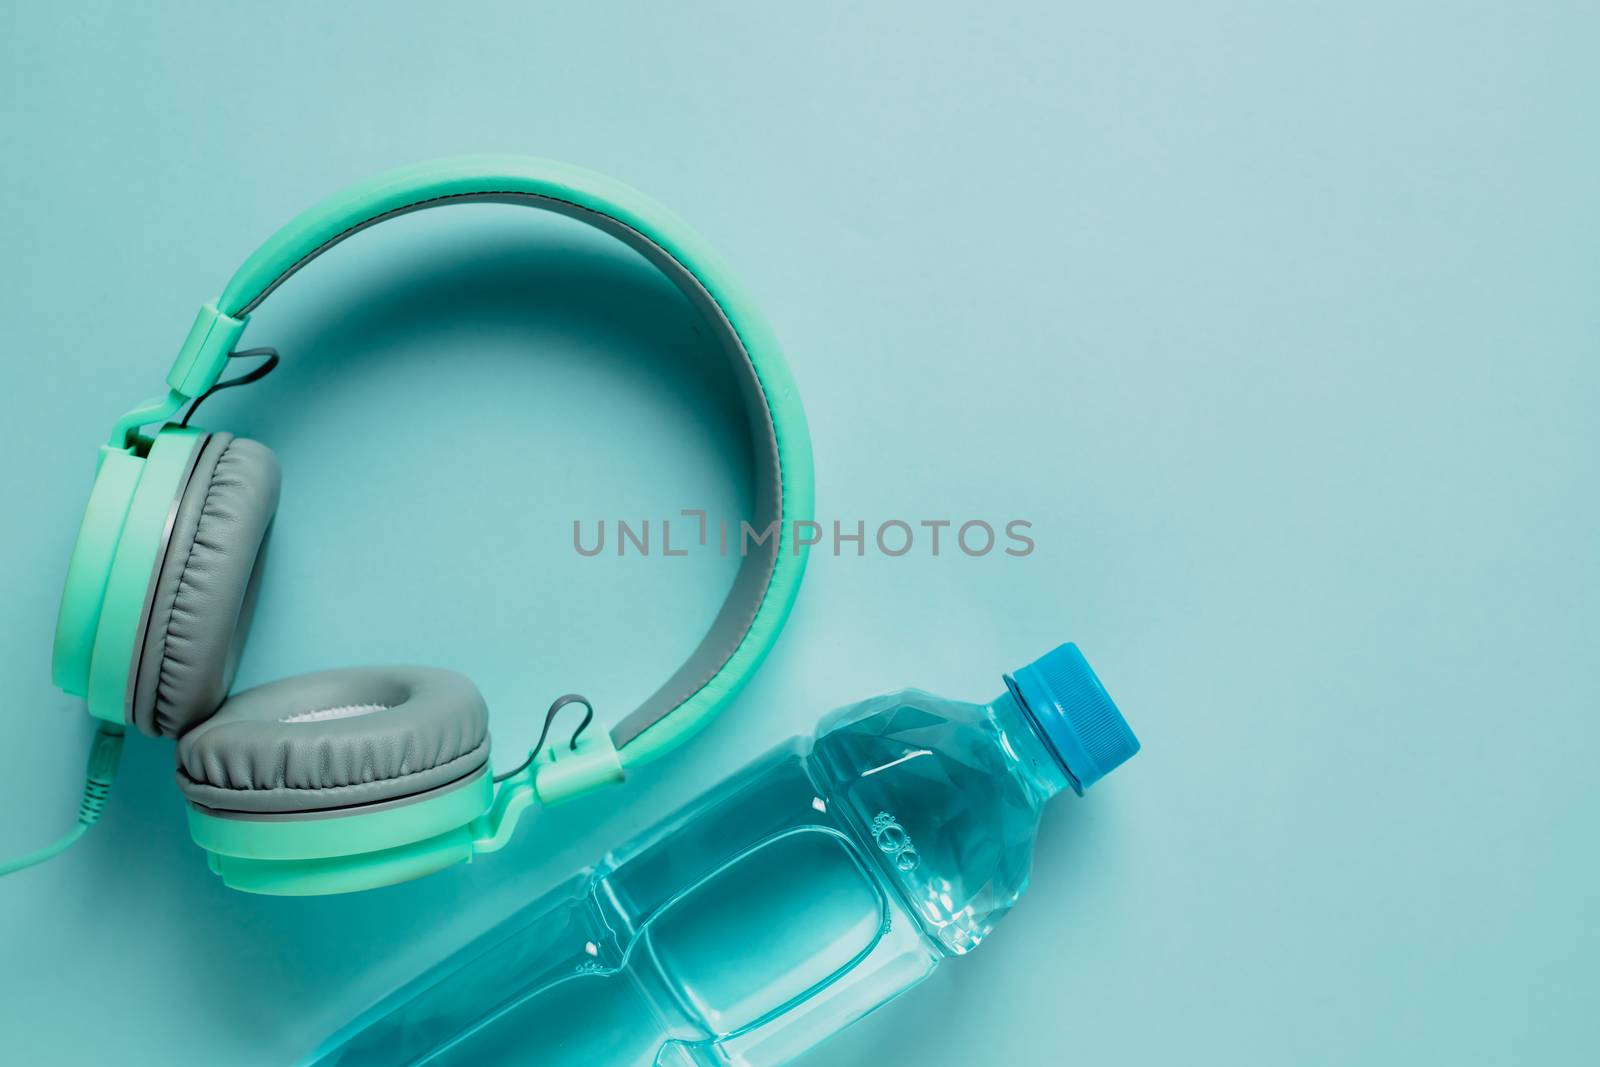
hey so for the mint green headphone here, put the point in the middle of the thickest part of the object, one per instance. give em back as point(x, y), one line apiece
point(350, 779)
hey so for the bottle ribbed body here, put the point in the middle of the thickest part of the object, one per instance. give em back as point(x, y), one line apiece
point(818, 883)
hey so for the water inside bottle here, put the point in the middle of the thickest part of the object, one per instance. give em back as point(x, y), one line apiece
point(642, 967)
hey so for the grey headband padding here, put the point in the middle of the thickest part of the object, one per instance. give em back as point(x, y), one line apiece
point(204, 596)
point(336, 739)
point(733, 622)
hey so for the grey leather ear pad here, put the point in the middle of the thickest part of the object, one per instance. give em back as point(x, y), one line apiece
point(336, 739)
point(204, 594)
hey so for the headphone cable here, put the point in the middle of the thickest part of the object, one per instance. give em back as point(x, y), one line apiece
point(105, 752)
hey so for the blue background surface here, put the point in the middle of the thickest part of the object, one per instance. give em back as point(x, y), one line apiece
point(1278, 321)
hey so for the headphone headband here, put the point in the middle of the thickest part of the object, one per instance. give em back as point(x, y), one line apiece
point(768, 577)
point(348, 779)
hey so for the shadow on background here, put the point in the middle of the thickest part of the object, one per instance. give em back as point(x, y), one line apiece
point(340, 331)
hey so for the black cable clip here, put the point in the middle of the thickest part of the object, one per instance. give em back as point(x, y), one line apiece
point(550, 717)
point(269, 360)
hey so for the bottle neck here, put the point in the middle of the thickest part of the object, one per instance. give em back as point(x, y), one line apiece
point(1036, 762)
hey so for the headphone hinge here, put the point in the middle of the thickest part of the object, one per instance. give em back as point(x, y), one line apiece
point(558, 774)
point(205, 352)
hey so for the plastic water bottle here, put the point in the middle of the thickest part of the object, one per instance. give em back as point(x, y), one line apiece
point(815, 885)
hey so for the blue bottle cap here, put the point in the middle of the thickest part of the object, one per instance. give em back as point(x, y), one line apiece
point(1090, 736)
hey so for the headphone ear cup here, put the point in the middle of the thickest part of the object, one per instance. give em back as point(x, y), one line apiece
point(205, 588)
point(337, 739)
